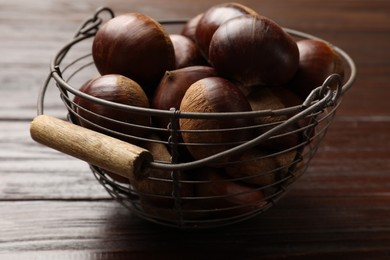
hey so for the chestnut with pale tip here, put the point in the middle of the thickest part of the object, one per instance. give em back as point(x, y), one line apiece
point(173, 86)
point(118, 89)
point(212, 18)
point(275, 98)
point(136, 46)
point(253, 50)
point(205, 137)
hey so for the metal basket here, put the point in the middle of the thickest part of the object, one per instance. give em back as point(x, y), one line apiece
point(203, 193)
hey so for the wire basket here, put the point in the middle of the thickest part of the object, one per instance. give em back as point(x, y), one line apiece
point(241, 180)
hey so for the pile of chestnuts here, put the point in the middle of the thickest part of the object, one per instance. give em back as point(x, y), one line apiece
point(227, 59)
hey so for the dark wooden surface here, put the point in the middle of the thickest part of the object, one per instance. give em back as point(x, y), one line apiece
point(51, 207)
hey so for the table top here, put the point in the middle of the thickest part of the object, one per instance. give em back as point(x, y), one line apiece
point(51, 205)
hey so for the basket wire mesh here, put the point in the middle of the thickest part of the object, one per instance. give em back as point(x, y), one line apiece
point(190, 197)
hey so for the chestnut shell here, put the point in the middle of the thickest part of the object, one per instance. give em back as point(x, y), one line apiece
point(222, 197)
point(158, 188)
point(213, 94)
point(174, 85)
point(274, 98)
point(254, 50)
point(187, 52)
point(136, 46)
point(118, 89)
point(213, 18)
point(317, 61)
point(189, 27)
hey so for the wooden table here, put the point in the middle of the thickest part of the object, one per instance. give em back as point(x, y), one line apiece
point(52, 207)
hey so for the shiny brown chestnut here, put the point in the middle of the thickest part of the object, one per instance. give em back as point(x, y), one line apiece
point(317, 60)
point(174, 85)
point(73, 116)
point(118, 89)
point(189, 27)
point(212, 18)
point(254, 50)
point(186, 52)
point(136, 46)
point(215, 95)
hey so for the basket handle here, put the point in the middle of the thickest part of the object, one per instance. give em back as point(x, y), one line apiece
point(95, 148)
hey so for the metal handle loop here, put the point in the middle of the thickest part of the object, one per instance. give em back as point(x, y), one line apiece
point(91, 25)
point(320, 92)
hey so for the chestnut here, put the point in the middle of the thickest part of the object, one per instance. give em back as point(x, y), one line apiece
point(73, 116)
point(158, 188)
point(212, 18)
point(174, 85)
point(186, 52)
point(253, 50)
point(274, 98)
point(205, 137)
point(169, 94)
point(189, 27)
point(254, 166)
point(291, 165)
point(118, 89)
point(261, 167)
point(317, 60)
point(219, 196)
point(136, 46)
point(294, 167)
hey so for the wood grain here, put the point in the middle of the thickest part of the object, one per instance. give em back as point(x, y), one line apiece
point(52, 207)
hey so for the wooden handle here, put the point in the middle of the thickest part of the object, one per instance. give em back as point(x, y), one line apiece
point(95, 148)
